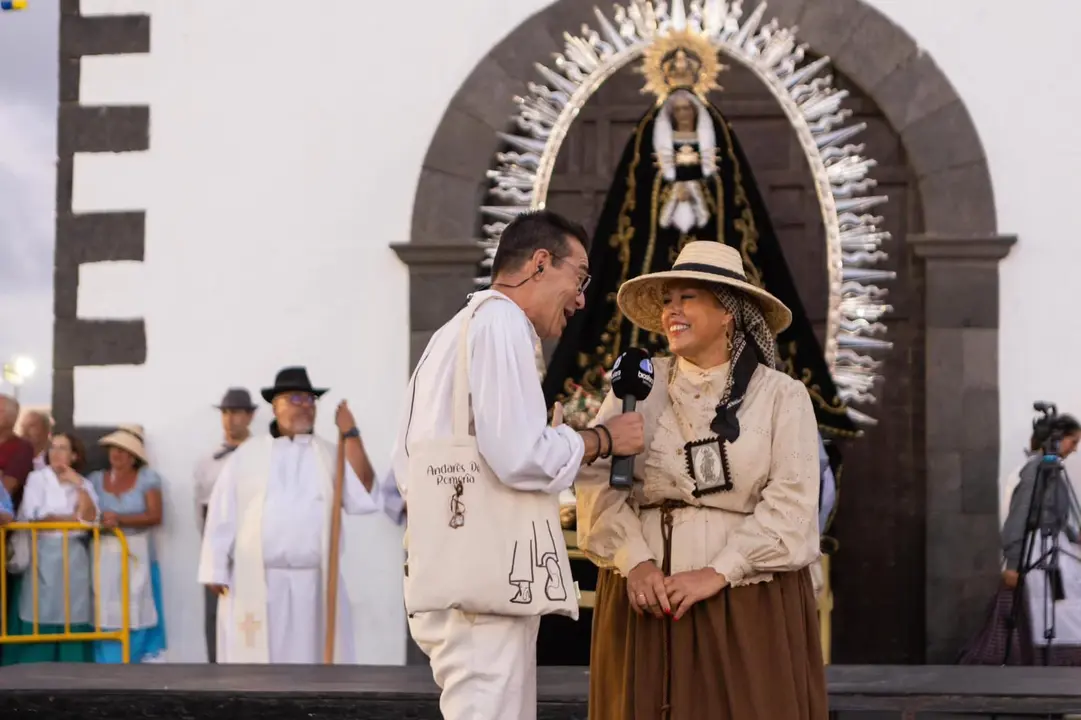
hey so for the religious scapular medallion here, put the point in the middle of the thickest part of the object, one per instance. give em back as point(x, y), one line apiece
point(457, 507)
point(707, 464)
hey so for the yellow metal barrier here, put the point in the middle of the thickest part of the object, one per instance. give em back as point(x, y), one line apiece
point(123, 635)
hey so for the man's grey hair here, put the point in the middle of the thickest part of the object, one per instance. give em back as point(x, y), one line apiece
point(9, 409)
point(44, 417)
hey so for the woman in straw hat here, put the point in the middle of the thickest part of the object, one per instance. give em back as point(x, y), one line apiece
point(129, 496)
point(704, 604)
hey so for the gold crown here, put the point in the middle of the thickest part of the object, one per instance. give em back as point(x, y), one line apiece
point(681, 60)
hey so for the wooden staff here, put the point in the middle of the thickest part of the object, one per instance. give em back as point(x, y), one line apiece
point(332, 564)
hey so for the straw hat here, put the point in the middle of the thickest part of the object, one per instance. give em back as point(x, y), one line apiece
point(707, 261)
point(127, 437)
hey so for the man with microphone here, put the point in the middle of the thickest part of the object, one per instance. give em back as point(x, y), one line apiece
point(486, 664)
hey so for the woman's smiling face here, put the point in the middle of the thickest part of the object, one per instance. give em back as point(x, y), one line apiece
point(694, 321)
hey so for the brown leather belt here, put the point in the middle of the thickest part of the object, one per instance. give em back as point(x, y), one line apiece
point(667, 507)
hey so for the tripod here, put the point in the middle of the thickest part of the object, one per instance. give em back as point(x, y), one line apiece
point(1047, 516)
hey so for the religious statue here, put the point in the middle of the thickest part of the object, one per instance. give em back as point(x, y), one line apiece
point(682, 177)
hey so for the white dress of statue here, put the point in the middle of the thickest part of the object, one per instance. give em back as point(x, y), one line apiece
point(685, 145)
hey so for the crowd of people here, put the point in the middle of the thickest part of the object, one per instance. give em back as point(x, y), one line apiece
point(69, 581)
point(705, 561)
point(52, 590)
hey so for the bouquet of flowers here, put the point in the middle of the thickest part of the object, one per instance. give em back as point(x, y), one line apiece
point(579, 409)
point(583, 404)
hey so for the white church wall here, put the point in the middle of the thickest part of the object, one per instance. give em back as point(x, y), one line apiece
point(1012, 82)
point(110, 182)
point(115, 79)
point(285, 149)
point(113, 290)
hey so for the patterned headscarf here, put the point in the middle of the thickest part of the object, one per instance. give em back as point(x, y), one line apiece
point(752, 344)
point(749, 322)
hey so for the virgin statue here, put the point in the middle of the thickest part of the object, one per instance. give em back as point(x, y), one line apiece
point(682, 177)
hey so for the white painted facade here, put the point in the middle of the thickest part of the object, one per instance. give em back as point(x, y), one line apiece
point(286, 144)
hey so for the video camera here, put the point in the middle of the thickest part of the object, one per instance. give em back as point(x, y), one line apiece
point(1046, 429)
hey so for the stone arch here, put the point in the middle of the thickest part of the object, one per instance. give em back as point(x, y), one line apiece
point(955, 257)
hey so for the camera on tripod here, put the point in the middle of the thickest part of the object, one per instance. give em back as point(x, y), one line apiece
point(1044, 495)
point(1045, 428)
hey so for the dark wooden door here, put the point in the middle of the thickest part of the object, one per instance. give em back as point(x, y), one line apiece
point(878, 571)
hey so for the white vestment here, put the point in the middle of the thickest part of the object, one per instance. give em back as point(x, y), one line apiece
point(486, 665)
point(266, 539)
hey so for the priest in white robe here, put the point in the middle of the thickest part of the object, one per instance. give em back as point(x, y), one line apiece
point(266, 545)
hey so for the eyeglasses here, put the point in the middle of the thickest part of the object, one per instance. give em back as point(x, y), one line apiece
point(583, 277)
point(300, 399)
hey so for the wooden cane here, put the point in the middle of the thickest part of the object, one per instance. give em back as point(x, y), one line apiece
point(332, 564)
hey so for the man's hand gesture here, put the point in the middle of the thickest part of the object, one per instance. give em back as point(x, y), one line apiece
point(557, 414)
point(343, 418)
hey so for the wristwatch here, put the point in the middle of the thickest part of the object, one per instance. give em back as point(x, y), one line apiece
point(353, 433)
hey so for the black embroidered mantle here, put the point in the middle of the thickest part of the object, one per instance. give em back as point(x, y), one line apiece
point(629, 242)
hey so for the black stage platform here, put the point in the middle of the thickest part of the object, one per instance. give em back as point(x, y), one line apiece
point(210, 692)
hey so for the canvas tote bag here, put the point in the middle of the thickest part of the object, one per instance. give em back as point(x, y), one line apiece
point(473, 543)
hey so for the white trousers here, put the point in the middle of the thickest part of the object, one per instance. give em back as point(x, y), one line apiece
point(486, 665)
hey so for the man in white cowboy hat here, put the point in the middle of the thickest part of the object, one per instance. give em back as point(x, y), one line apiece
point(486, 665)
point(266, 542)
point(237, 411)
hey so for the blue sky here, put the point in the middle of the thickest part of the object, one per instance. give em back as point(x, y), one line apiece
point(28, 100)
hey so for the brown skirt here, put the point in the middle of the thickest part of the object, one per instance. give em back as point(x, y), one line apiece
point(748, 653)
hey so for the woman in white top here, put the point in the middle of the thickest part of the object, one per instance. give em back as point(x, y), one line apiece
point(55, 493)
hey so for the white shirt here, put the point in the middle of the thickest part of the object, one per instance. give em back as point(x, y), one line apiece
point(45, 495)
point(206, 474)
point(510, 417)
point(391, 499)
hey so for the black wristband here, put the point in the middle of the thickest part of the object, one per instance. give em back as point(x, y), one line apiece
point(351, 433)
point(598, 436)
point(608, 435)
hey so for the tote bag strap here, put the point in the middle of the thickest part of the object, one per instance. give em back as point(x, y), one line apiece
point(460, 406)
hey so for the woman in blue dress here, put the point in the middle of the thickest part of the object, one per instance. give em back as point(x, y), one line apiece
point(129, 497)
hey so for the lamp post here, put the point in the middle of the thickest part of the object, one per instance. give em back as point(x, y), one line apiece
point(18, 371)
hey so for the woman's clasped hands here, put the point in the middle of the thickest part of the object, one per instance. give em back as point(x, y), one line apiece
point(649, 591)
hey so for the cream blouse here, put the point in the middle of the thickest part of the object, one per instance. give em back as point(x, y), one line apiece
point(766, 523)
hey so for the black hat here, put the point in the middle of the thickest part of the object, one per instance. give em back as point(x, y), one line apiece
point(291, 379)
point(236, 399)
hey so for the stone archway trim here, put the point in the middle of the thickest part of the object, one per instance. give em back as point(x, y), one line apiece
point(957, 254)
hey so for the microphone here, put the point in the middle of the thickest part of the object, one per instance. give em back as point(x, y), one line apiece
point(632, 379)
